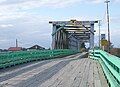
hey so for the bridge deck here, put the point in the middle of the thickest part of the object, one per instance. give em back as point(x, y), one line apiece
point(65, 72)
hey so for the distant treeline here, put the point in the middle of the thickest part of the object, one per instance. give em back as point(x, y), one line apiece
point(115, 51)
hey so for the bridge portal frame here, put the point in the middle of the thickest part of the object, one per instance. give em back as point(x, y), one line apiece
point(71, 34)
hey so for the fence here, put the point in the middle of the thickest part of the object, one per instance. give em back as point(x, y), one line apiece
point(110, 65)
point(14, 58)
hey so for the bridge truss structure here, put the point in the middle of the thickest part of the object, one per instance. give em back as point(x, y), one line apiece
point(71, 34)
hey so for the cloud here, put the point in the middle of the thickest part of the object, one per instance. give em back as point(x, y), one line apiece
point(6, 25)
point(29, 29)
point(115, 19)
point(4, 40)
point(19, 20)
point(1, 1)
point(117, 1)
point(13, 9)
point(30, 4)
point(94, 1)
point(40, 2)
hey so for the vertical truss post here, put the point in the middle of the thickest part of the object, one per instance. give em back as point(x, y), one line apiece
point(92, 37)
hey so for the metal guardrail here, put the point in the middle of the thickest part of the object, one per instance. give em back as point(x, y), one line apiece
point(110, 65)
point(14, 58)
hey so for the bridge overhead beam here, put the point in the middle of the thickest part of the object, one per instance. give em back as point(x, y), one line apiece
point(70, 34)
point(72, 22)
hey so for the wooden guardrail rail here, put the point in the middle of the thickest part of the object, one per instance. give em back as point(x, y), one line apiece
point(9, 59)
point(110, 65)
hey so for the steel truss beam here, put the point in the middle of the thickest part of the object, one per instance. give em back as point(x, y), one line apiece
point(71, 33)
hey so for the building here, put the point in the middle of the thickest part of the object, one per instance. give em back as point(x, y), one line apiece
point(15, 49)
point(36, 47)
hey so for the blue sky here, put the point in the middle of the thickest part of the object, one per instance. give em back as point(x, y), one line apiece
point(28, 20)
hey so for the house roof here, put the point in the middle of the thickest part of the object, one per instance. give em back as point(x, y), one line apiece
point(15, 48)
point(36, 47)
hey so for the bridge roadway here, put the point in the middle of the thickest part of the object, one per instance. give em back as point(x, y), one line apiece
point(70, 71)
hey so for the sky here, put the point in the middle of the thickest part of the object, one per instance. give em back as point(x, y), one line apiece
point(28, 20)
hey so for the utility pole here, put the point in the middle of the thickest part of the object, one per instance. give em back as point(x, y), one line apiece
point(99, 24)
point(16, 43)
point(107, 2)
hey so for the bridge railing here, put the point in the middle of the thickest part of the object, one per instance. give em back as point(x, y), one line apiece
point(14, 58)
point(110, 65)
